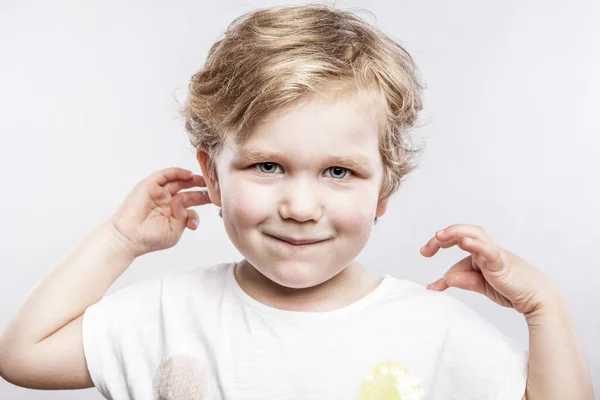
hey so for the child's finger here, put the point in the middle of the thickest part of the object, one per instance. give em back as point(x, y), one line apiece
point(170, 174)
point(440, 285)
point(462, 265)
point(462, 230)
point(193, 220)
point(451, 236)
point(467, 280)
point(466, 243)
point(175, 186)
point(434, 244)
point(178, 207)
point(490, 254)
point(183, 200)
point(195, 198)
point(461, 275)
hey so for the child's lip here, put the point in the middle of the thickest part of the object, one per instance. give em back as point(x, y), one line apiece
point(297, 242)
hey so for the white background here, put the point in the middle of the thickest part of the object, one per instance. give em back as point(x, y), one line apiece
point(89, 95)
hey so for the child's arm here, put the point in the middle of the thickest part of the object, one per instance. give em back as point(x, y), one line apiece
point(36, 350)
point(557, 365)
point(42, 346)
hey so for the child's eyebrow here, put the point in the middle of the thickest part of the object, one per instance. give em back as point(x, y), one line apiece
point(354, 161)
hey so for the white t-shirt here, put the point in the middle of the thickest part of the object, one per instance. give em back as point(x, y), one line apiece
point(195, 334)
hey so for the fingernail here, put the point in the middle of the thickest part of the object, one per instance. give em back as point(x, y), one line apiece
point(440, 232)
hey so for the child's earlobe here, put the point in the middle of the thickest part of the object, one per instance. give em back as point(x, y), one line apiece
point(381, 208)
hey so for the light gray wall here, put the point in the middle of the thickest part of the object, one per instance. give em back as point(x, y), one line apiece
point(88, 105)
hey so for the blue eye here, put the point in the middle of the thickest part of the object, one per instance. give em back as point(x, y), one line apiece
point(269, 167)
point(339, 170)
point(337, 173)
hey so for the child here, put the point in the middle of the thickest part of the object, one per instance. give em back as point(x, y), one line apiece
point(300, 118)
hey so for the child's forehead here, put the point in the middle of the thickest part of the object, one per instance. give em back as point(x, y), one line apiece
point(359, 142)
point(318, 120)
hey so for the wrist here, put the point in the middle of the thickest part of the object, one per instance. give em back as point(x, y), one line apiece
point(551, 302)
point(118, 243)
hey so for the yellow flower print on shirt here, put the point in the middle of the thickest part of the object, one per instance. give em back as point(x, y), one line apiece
point(390, 381)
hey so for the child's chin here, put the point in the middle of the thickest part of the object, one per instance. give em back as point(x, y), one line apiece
point(296, 277)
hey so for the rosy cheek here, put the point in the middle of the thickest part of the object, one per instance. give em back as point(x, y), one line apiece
point(351, 216)
point(246, 205)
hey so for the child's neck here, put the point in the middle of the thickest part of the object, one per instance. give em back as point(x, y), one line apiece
point(350, 285)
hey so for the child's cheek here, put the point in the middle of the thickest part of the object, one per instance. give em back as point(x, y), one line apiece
point(248, 205)
point(353, 216)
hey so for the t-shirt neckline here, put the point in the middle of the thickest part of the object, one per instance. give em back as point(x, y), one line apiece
point(357, 305)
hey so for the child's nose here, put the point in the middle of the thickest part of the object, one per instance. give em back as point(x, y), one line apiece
point(301, 203)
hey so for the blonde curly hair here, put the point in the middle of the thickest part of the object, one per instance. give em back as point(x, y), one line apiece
point(275, 57)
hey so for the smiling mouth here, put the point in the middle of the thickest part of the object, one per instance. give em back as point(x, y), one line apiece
point(297, 244)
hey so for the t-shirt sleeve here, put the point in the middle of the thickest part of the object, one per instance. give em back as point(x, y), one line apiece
point(119, 334)
point(479, 362)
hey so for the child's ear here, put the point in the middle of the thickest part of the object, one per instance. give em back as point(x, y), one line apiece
point(381, 207)
point(212, 181)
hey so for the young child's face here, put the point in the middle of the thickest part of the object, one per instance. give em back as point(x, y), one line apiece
point(312, 173)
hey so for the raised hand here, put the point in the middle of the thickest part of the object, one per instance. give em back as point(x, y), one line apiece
point(497, 273)
point(154, 214)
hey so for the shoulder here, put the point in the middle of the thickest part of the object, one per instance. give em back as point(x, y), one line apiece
point(442, 312)
point(418, 298)
point(147, 295)
point(208, 279)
